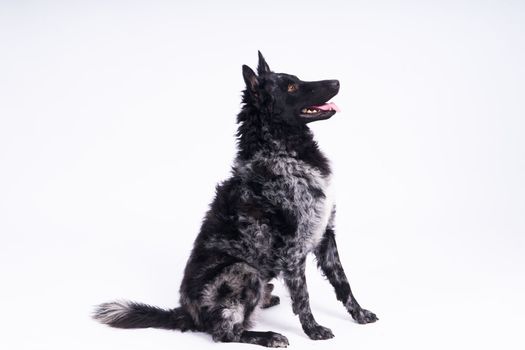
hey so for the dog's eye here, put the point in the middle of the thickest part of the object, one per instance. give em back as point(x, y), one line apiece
point(292, 87)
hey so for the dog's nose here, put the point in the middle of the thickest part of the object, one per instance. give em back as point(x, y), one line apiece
point(334, 84)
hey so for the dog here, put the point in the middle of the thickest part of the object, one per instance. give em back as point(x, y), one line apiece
point(273, 211)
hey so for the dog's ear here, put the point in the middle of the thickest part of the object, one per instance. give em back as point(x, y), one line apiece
point(263, 66)
point(250, 79)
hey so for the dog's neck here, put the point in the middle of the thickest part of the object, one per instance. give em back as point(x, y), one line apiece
point(262, 133)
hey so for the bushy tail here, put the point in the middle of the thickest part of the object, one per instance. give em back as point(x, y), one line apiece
point(126, 314)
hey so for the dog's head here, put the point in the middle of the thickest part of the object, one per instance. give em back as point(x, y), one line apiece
point(286, 98)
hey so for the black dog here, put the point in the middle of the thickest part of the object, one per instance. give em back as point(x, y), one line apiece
point(274, 210)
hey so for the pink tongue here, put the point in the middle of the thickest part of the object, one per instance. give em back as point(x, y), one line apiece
point(328, 107)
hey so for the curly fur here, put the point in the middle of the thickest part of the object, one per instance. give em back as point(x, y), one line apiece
point(275, 209)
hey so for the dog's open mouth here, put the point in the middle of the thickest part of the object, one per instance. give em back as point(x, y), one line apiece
point(320, 112)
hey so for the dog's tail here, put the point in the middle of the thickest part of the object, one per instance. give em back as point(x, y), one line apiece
point(126, 314)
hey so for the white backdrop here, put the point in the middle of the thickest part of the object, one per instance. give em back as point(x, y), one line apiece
point(117, 119)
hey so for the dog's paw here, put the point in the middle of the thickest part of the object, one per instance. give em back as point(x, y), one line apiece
point(274, 300)
point(276, 340)
point(319, 333)
point(363, 316)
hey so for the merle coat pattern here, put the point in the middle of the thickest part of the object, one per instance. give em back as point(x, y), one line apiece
point(274, 210)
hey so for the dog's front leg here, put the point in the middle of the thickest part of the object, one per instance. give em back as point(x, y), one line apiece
point(328, 260)
point(295, 280)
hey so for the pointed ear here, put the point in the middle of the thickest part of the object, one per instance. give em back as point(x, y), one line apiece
point(250, 78)
point(263, 66)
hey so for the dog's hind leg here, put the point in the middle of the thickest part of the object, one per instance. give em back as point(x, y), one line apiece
point(269, 299)
point(228, 304)
point(328, 260)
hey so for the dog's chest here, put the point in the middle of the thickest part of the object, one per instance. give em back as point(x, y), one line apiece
point(305, 193)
